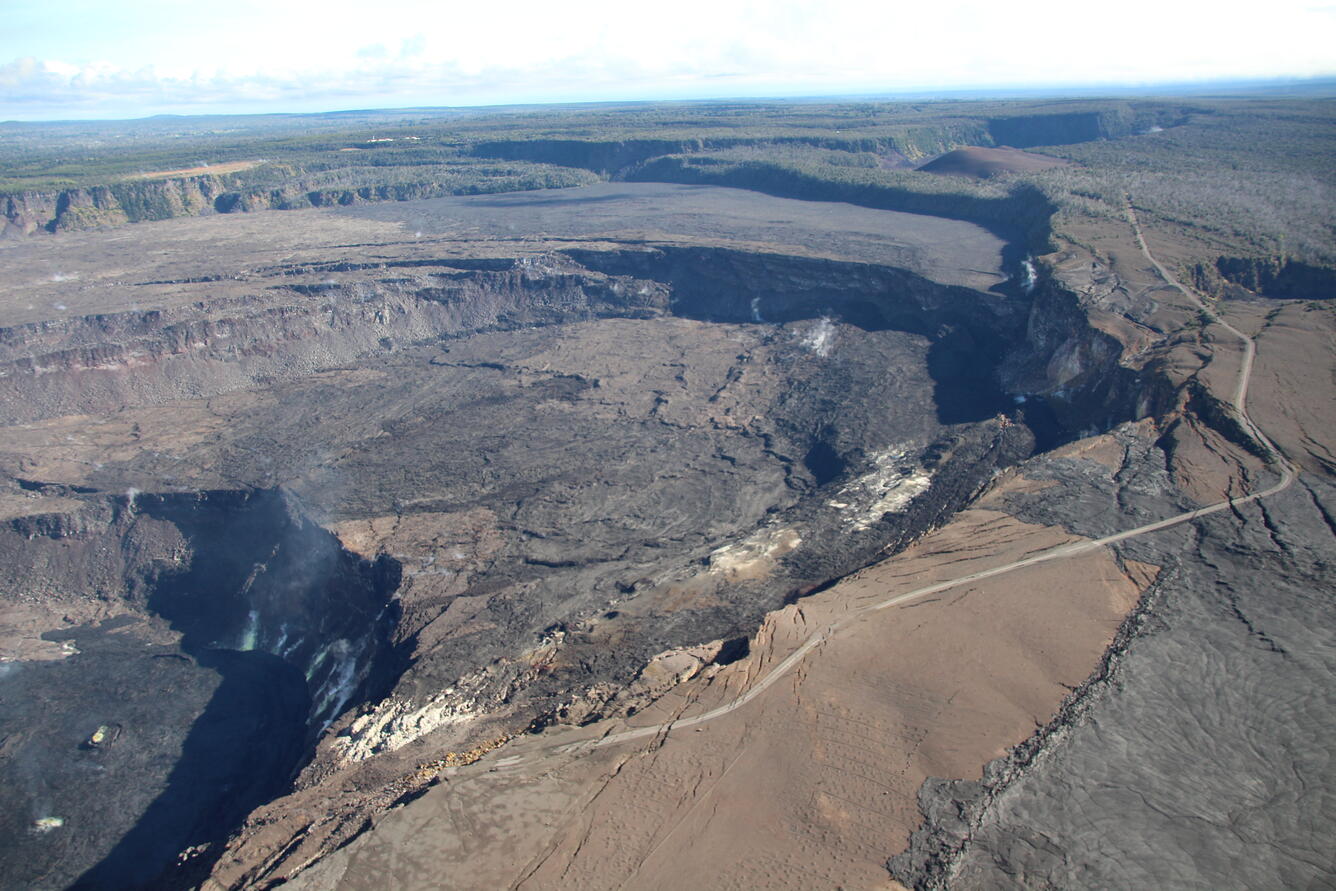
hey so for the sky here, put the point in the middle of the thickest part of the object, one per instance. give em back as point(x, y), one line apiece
point(71, 59)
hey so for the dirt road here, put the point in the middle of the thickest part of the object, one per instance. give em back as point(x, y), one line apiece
point(1239, 405)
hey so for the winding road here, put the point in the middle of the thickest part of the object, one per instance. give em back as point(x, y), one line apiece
point(1238, 405)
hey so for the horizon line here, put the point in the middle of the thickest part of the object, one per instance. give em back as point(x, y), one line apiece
point(1092, 90)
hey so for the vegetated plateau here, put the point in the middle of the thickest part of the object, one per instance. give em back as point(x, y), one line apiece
point(363, 469)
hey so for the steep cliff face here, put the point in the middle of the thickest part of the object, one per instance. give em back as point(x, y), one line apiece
point(970, 332)
point(136, 358)
point(27, 212)
point(1040, 345)
point(1022, 215)
point(167, 198)
point(299, 196)
point(1070, 373)
point(1279, 277)
point(602, 156)
point(619, 157)
point(725, 285)
point(239, 629)
point(97, 207)
point(134, 201)
point(90, 208)
point(1065, 128)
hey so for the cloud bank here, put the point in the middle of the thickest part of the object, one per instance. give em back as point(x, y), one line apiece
point(151, 56)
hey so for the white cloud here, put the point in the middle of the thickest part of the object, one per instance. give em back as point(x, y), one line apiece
point(338, 53)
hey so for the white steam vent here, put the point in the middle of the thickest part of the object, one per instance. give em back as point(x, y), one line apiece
point(820, 338)
point(1029, 276)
